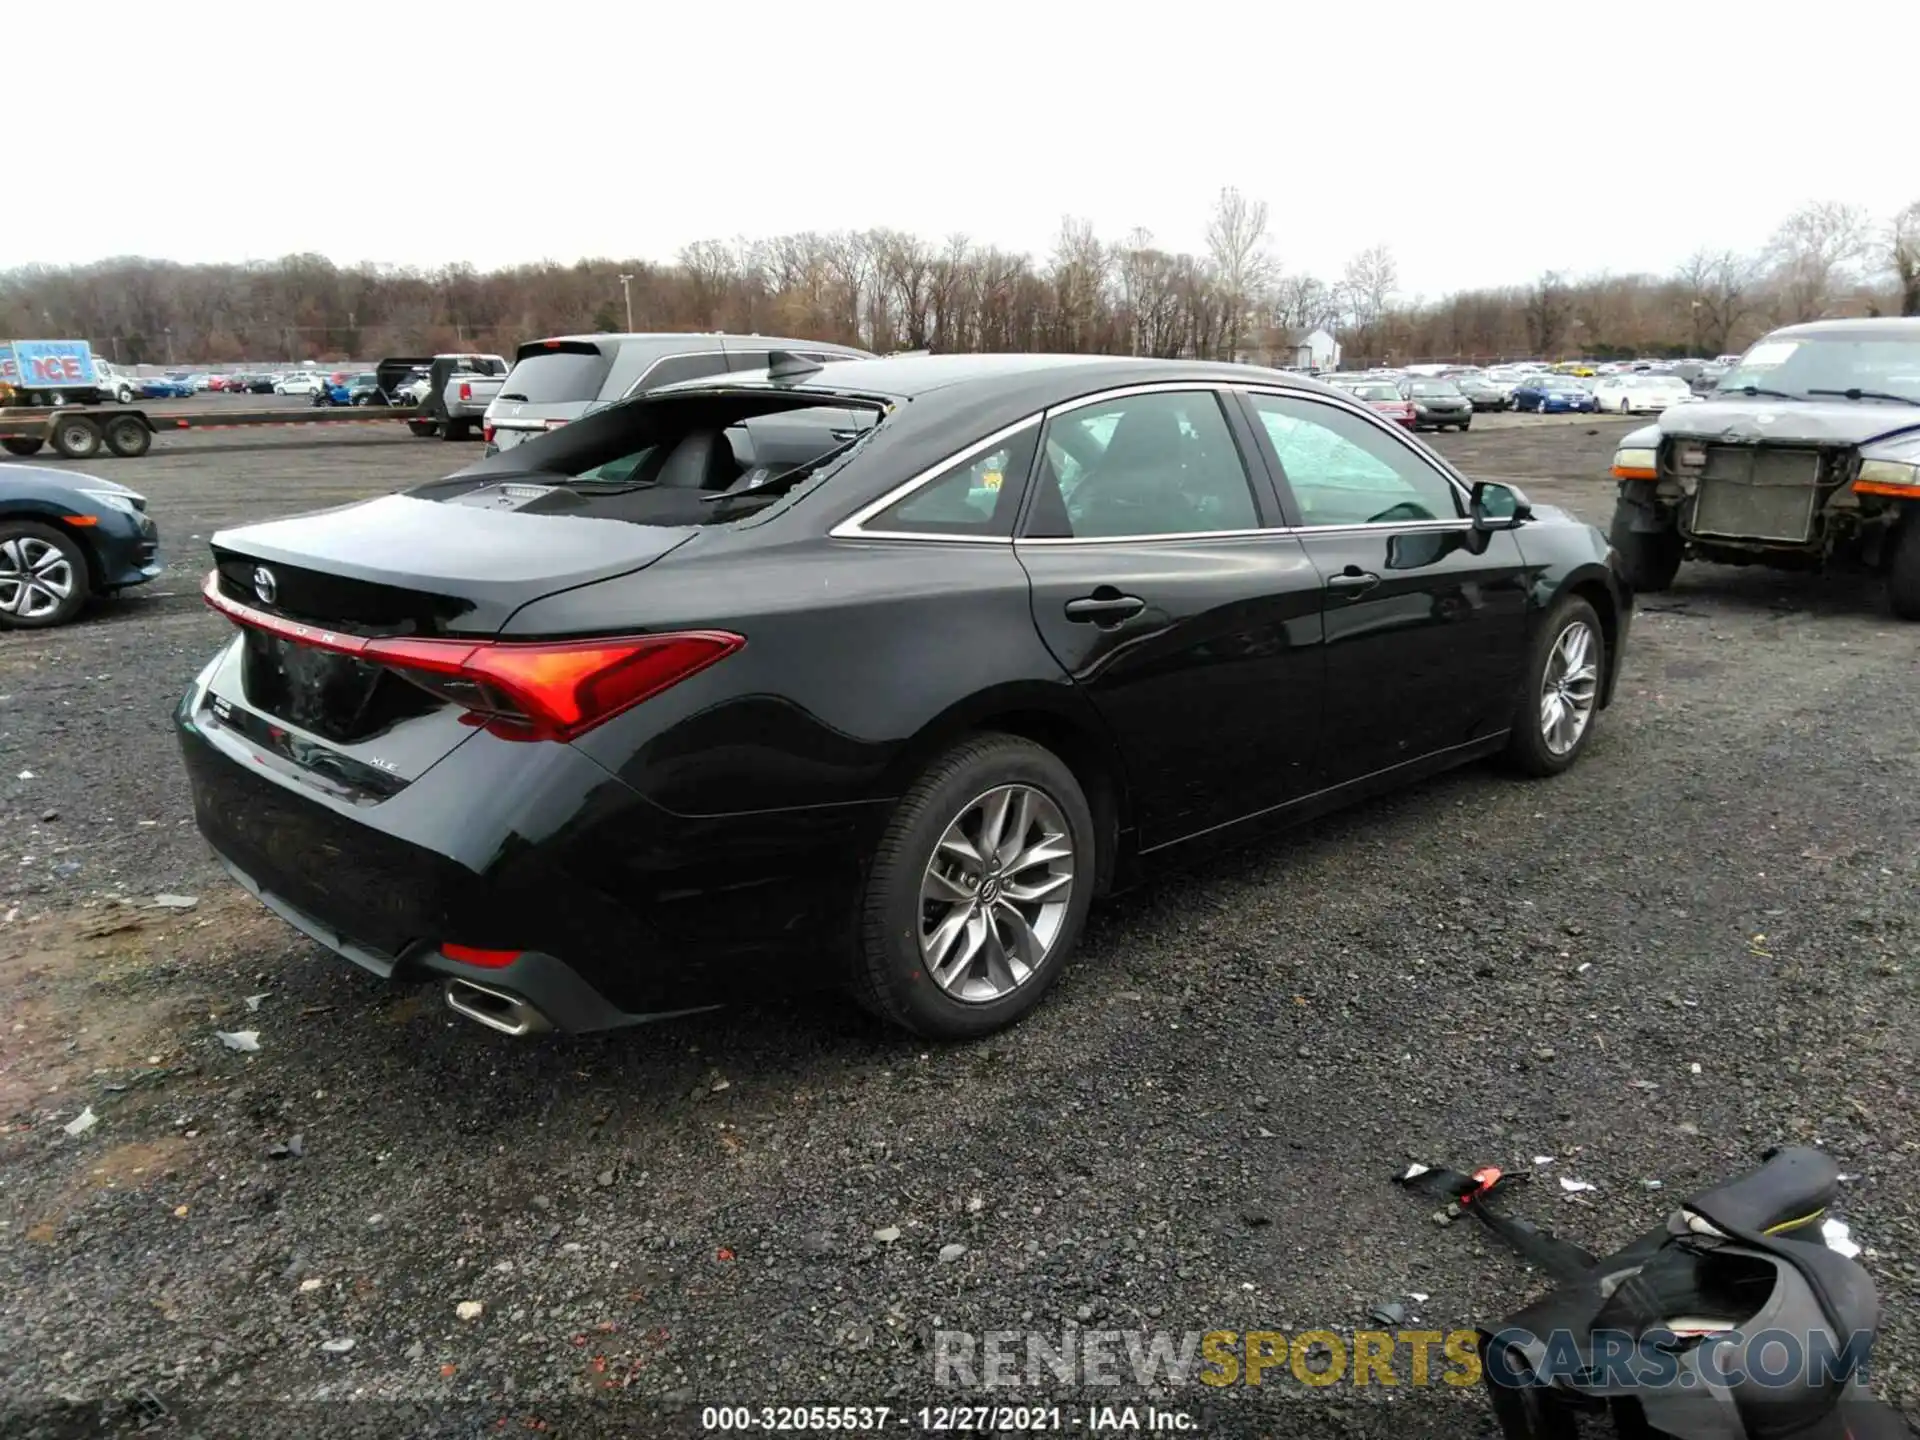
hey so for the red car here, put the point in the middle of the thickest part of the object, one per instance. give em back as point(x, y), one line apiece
point(1388, 401)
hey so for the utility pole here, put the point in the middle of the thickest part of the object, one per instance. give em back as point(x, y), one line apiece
point(169, 349)
point(626, 290)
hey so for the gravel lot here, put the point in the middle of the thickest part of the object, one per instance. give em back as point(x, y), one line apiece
point(1701, 942)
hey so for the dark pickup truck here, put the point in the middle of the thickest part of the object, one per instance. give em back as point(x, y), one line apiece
point(1805, 456)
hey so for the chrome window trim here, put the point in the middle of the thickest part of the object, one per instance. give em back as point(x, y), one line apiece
point(634, 389)
point(851, 527)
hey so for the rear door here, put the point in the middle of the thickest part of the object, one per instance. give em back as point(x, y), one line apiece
point(1424, 637)
point(1161, 584)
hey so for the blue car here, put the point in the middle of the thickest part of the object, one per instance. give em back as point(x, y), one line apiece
point(162, 387)
point(1553, 394)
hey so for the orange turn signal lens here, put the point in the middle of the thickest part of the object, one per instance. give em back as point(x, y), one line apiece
point(1634, 472)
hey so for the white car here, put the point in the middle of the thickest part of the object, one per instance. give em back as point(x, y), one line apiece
point(117, 387)
point(1641, 394)
point(301, 384)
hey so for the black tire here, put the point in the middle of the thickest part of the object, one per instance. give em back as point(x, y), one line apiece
point(21, 445)
point(76, 437)
point(128, 437)
point(69, 548)
point(1527, 747)
point(1648, 559)
point(889, 975)
point(1903, 570)
point(456, 430)
point(1465, 425)
point(421, 428)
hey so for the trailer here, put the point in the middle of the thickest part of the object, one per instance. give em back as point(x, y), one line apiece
point(127, 431)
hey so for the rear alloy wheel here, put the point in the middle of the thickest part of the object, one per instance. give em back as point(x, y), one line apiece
point(43, 576)
point(1903, 573)
point(1561, 692)
point(978, 890)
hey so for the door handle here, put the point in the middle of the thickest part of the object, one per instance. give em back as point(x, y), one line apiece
point(1106, 606)
point(1353, 582)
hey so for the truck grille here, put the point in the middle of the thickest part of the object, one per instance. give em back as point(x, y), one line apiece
point(1757, 493)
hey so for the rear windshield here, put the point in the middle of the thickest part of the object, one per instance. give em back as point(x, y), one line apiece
point(551, 377)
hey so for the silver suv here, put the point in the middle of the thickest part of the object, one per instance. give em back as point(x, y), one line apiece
point(561, 379)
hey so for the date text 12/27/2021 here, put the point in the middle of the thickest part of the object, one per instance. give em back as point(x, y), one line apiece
point(946, 1419)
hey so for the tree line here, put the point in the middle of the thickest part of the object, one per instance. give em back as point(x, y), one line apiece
point(887, 290)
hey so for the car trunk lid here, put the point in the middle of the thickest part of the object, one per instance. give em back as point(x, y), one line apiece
point(325, 603)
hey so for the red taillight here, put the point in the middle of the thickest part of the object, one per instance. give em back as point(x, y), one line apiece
point(486, 433)
point(518, 689)
point(466, 390)
point(473, 955)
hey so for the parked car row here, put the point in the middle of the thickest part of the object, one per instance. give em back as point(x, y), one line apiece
point(1449, 396)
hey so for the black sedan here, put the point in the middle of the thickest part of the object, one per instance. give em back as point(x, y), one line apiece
point(65, 536)
point(1484, 394)
point(873, 674)
point(1437, 404)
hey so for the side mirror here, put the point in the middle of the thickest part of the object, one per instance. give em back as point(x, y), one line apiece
point(1497, 507)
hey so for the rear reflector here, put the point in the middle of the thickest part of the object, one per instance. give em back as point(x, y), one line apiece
point(517, 689)
point(473, 955)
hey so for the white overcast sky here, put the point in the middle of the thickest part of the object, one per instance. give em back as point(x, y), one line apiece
point(1484, 141)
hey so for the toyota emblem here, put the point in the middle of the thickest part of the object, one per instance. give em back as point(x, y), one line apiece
point(264, 585)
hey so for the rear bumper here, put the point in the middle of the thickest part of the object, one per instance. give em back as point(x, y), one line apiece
point(621, 910)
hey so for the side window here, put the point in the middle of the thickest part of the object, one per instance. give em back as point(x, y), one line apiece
point(676, 368)
point(975, 496)
point(1343, 470)
point(738, 360)
point(1159, 464)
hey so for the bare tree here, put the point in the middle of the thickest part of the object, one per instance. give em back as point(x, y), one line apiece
point(1717, 286)
point(1903, 245)
point(1816, 250)
point(1237, 246)
point(1549, 309)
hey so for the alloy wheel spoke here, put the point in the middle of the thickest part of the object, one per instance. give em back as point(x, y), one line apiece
point(957, 846)
point(976, 935)
point(1013, 835)
point(1033, 892)
point(993, 822)
point(1023, 947)
point(13, 595)
point(1048, 849)
point(1550, 708)
point(942, 888)
point(938, 947)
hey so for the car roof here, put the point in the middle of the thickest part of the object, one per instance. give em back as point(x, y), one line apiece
point(1884, 327)
point(684, 337)
point(1036, 380)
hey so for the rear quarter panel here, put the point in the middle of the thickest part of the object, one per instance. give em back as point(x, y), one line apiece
point(857, 652)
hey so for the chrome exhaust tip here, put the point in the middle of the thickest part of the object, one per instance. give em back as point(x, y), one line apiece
point(496, 1009)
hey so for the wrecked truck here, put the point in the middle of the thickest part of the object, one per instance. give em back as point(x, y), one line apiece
point(1805, 456)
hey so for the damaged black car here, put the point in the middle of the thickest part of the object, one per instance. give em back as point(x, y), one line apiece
point(1805, 456)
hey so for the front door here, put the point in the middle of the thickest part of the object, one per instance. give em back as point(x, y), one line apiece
point(1425, 637)
point(1161, 584)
